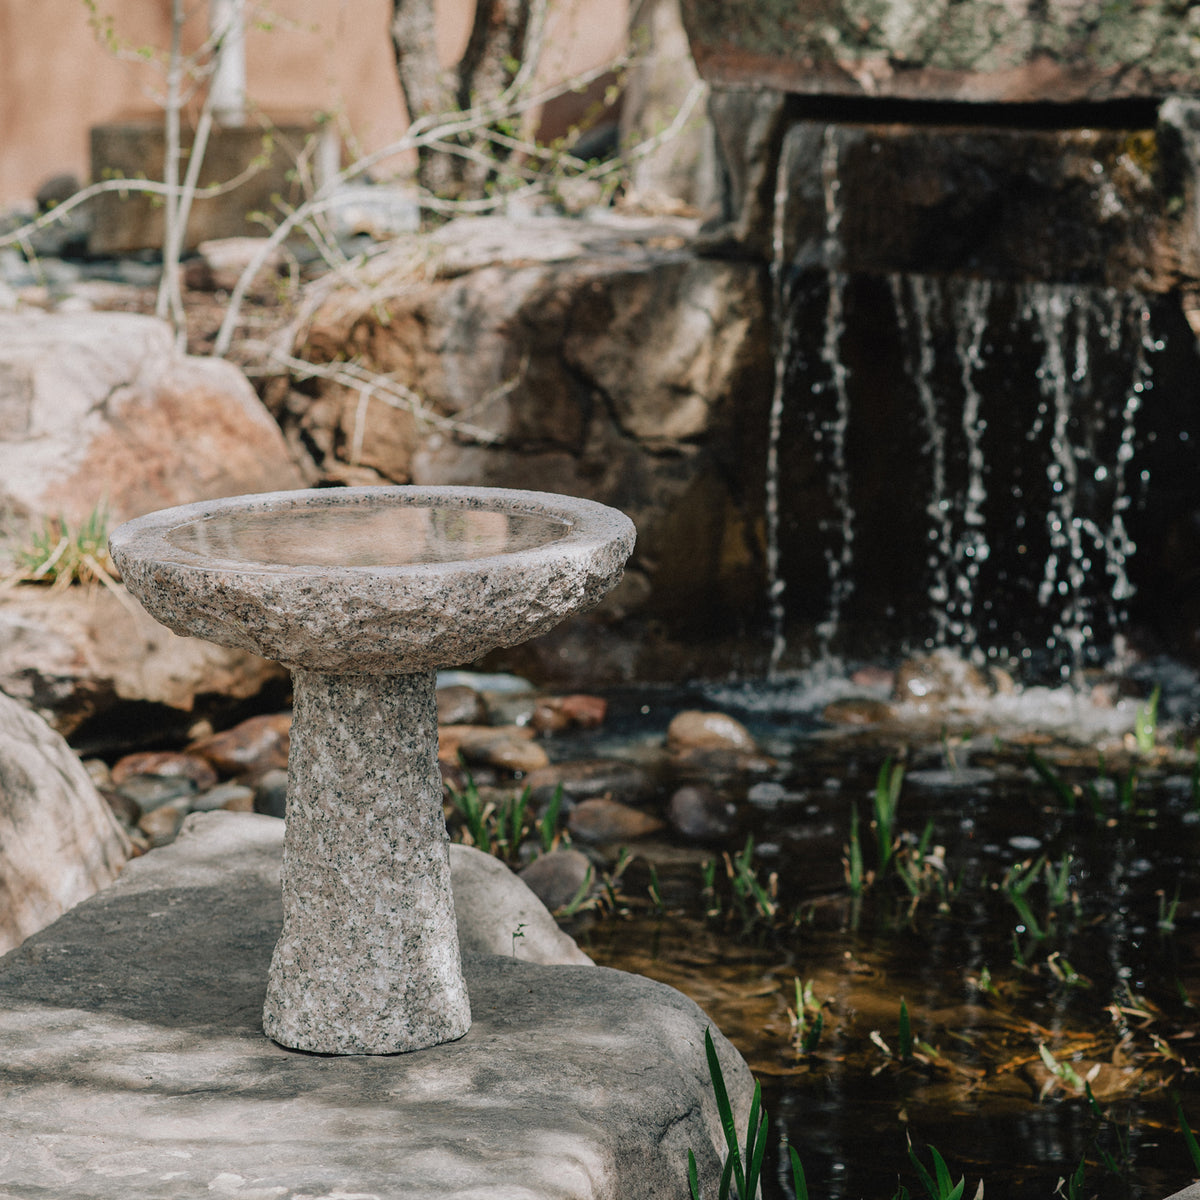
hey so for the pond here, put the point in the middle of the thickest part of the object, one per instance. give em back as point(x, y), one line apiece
point(975, 926)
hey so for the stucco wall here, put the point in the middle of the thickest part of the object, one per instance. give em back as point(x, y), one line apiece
point(57, 79)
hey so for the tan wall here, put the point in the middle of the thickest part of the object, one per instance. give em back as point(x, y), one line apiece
point(57, 79)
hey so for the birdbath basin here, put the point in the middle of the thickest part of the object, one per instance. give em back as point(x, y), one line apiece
point(363, 593)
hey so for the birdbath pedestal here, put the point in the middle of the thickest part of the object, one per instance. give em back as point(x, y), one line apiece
point(363, 593)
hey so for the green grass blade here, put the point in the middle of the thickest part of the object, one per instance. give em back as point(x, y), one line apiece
point(905, 1038)
point(1188, 1137)
point(754, 1161)
point(799, 1183)
point(922, 1174)
point(693, 1180)
point(726, 1179)
point(725, 1112)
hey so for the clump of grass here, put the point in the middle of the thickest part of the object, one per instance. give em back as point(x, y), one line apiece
point(742, 1169)
point(59, 555)
point(807, 1019)
point(500, 827)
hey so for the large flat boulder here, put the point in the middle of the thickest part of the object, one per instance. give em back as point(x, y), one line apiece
point(135, 1064)
point(101, 409)
point(59, 841)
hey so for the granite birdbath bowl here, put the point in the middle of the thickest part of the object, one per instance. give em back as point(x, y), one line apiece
point(363, 593)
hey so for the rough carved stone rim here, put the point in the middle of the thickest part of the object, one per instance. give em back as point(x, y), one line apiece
point(376, 619)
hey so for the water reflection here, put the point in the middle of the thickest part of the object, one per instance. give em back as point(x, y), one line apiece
point(1092, 969)
point(365, 535)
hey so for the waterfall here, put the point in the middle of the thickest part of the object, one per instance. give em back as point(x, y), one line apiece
point(1011, 431)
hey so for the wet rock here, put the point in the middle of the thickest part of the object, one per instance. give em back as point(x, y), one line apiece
point(698, 811)
point(589, 778)
point(460, 705)
point(161, 826)
point(601, 820)
point(232, 797)
point(506, 748)
point(718, 761)
point(123, 808)
point(510, 707)
point(98, 772)
point(256, 744)
point(99, 408)
point(492, 905)
point(557, 877)
point(270, 793)
point(553, 714)
point(872, 676)
point(935, 679)
point(150, 792)
point(695, 730)
point(857, 711)
point(166, 763)
point(59, 840)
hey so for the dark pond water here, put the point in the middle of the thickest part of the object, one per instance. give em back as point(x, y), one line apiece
point(1039, 918)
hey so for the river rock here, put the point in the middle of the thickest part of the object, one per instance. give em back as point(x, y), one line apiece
point(79, 653)
point(270, 793)
point(169, 763)
point(100, 408)
point(230, 796)
point(149, 792)
point(857, 710)
point(59, 841)
point(553, 714)
point(556, 878)
point(601, 821)
point(589, 778)
point(507, 747)
point(162, 824)
point(257, 744)
point(460, 705)
point(694, 730)
point(498, 913)
point(697, 811)
point(940, 678)
point(142, 1071)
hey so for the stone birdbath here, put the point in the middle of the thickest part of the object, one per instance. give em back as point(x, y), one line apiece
point(363, 593)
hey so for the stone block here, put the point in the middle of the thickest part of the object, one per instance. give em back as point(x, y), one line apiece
point(1098, 207)
point(136, 149)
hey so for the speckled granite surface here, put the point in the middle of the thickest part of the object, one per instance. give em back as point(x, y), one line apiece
point(372, 618)
point(368, 959)
point(363, 593)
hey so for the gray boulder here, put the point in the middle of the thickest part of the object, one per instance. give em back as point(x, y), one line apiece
point(142, 1071)
point(499, 914)
point(59, 841)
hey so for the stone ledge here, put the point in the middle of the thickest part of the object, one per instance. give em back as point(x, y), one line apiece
point(132, 1057)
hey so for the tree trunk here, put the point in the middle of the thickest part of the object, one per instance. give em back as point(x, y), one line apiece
point(497, 41)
